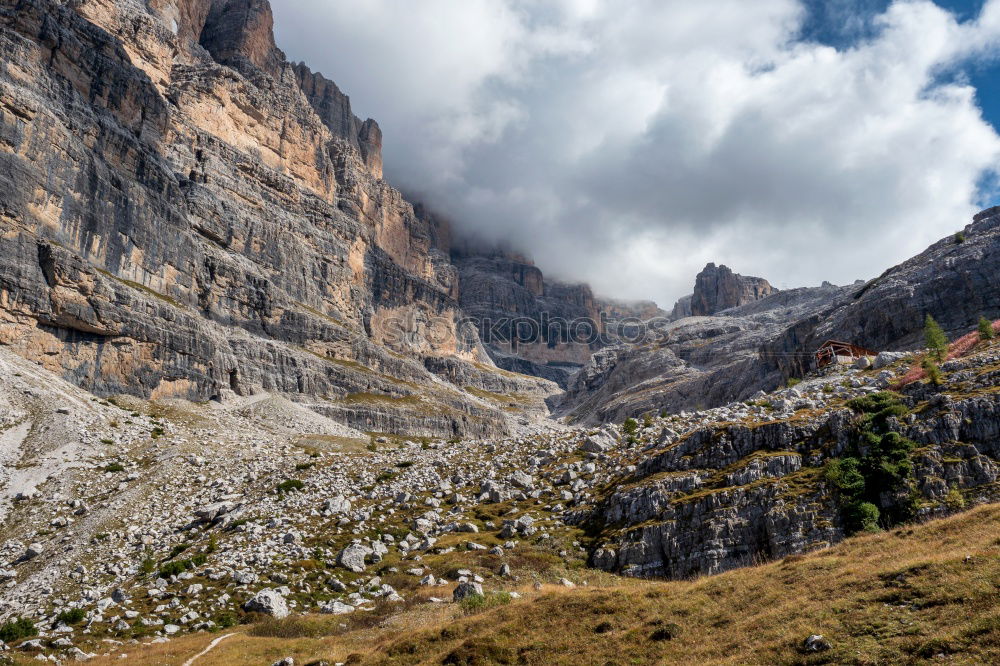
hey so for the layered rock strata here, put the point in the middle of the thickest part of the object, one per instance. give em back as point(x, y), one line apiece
point(186, 214)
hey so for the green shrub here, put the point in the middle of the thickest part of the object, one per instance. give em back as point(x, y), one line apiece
point(172, 569)
point(844, 475)
point(403, 464)
point(476, 603)
point(304, 466)
point(878, 408)
point(630, 427)
point(955, 500)
point(226, 619)
point(986, 329)
point(290, 485)
point(148, 566)
point(879, 463)
point(180, 566)
point(959, 238)
point(14, 630)
point(70, 617)
point(385, 476)
point(862, 516)
point(933, 372)
point(114, 467)
point(793, 381)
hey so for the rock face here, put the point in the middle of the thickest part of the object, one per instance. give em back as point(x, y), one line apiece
point(186, 214)
point(527, 322)
point(693, 362)
point(682, 308)
point(717, 288)
point(334, 107)
point(737, 490)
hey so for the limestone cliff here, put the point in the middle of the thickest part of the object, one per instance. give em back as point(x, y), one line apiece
point(186, 214)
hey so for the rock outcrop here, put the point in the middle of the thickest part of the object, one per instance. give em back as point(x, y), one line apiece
point(692, 362)
point(739, 489)
point(717, 288)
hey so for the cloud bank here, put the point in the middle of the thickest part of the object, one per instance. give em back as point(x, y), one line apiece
point(627, 144)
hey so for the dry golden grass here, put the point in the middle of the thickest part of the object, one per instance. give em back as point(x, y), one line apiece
point(930, 593)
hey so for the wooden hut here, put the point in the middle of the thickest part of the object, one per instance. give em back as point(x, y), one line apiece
point(835, 351)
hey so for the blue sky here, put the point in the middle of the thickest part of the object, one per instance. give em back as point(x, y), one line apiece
point(842, 23)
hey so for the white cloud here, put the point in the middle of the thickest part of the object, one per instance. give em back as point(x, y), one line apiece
point(629, 143)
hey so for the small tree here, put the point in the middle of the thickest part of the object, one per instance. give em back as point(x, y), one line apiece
point(986, 329)
point(933, 372)
point(936, 340)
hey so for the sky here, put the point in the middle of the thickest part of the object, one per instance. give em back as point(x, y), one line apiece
point(627, 144)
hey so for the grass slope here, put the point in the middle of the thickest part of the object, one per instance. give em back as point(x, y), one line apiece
point(930, 593)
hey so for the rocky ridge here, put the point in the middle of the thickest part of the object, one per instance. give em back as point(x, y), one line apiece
point(698, 362)
point(690, 363)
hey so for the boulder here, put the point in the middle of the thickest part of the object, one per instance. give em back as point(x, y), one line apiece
point(815, 643)
point(521, 480)
point(353, 557)
point(598, 443)
point(465, 590)
point(337, 608)
point(269, 602)
point(337, 505)
point(211, 512)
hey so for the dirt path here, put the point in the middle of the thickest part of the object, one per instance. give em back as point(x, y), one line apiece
point(211, 646)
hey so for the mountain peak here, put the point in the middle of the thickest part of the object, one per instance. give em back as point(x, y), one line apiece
point(718, 288)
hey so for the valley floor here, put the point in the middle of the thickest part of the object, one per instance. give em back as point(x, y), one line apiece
point(930, 593)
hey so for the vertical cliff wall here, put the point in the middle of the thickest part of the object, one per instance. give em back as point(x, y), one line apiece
point(184, 213)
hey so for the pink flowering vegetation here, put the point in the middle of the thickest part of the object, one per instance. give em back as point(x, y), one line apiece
point(956, 349)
